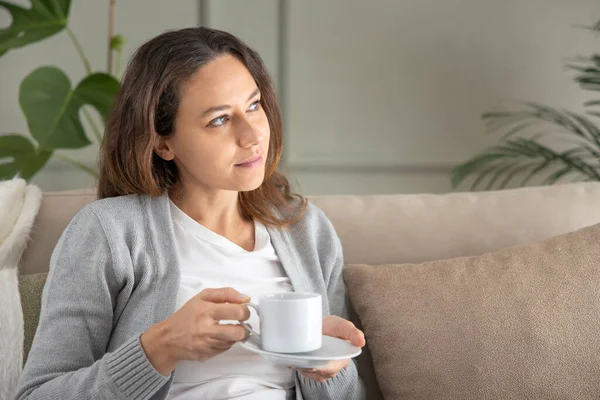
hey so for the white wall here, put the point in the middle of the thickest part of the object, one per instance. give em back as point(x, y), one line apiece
point(385, 96)
point(382, 96)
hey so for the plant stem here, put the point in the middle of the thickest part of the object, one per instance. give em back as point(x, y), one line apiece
point(111, 32)
point(77, 164)
point(118, 67)
point(86, 62)
point(95, 129)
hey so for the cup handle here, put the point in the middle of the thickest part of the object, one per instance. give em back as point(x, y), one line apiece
point(246, 326)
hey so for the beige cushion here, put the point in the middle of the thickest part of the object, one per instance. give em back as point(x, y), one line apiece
point(30, 288)
point(397, 228)
point(520, 323)
point(56, 211)
point(403, 228)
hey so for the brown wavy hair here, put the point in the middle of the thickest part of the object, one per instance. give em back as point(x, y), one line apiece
point(146, 106)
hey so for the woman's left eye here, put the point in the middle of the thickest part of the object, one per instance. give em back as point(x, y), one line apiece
point(219, 121)
point(254, 106)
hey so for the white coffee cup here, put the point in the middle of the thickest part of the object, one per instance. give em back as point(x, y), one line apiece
point(290, 322)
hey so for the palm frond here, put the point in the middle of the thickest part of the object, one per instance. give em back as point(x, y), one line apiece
point(594, 28)
point(586, 125)
point(508, 177)
point(588, 69)
point(530, 115)
point(522, 152)
point(516, 156)
point(509, 170)
point(576, 163)
point(538, 169)
point(585, 152)
point(556, 176)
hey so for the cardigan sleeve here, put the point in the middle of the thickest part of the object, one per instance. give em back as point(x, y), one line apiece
point(347, 385)
point(68, 358)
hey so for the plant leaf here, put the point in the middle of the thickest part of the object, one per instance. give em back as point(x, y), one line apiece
point(576, 163)
point(589, 129)
point(18, 155)
point(525, 151)
point(461, 172)
point(51, 106)
point(44, 19)
point(588, 69)
point(482, 174)
point(556, 176)
point(516, 129)
point(510, 175)
point(499, 172)
point(545, 164)
point(98, 90)
point(591, 103)
point(529, 115)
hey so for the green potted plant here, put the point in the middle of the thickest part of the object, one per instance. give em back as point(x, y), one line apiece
point(52, 107)
point(524, 151)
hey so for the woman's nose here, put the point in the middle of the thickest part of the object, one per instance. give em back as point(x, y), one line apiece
point(249, 135)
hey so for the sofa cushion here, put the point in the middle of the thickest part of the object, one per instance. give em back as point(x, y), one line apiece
point(55, 213)
point(429, 227)
point(413, 228)
point(30, 288)
point(522, 322)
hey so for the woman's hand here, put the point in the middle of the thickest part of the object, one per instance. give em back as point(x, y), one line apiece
point(339, 328)
point(193, 332)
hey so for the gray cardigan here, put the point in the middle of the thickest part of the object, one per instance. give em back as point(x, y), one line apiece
point(114, 273)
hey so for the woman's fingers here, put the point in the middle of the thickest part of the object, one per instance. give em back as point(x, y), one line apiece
point(222, 345)
point(223, 295)
point(343, 329)
point(229, 332)
point(322, 374)
point(235, 312)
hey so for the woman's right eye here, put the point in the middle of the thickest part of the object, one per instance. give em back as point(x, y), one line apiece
point(219, 121)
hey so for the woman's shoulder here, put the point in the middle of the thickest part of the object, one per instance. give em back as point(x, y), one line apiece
point(108, 212)
point(316, 217)
point(114, 207)
point(315, 239)
point(314, 225)
point(109, 204)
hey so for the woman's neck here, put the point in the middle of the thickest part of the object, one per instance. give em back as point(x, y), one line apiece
point(217, 211)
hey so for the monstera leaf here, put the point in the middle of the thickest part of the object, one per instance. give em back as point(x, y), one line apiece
point(44, 19)
point(19, 156)
point(52, 107)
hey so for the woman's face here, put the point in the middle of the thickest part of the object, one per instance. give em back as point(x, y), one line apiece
point(221, 136)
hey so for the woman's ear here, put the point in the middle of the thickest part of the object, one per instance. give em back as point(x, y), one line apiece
point(162, 148)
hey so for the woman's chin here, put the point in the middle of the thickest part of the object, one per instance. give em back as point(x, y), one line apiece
point(250, 185)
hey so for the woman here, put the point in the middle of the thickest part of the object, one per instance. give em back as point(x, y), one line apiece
point(140, 285)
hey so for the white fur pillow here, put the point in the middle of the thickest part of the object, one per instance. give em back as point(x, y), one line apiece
point(19, 204)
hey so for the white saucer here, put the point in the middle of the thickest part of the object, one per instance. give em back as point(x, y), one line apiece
point(332, 349)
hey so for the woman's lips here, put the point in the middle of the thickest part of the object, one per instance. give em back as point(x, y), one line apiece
point(251, 162)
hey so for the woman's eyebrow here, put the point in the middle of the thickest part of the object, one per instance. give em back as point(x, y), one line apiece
point(226, 106)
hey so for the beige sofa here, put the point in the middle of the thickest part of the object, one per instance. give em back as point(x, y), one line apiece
point(377, 230)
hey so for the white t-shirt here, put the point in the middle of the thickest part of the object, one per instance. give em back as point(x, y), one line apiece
point(209, 260)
